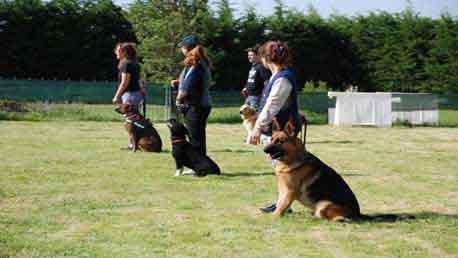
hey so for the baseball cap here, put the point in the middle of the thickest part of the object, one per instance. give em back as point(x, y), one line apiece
point(189, 42)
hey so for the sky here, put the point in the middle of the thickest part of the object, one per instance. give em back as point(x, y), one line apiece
point(430, 8)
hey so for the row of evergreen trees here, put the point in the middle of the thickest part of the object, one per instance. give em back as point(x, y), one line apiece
point(377, 52)
point(61, 39)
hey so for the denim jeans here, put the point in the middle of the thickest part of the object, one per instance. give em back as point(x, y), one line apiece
point(253, 101)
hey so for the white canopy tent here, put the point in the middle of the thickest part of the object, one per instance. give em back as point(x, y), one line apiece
point(382, 109)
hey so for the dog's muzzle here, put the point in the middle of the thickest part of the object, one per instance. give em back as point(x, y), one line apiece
point(274, 150)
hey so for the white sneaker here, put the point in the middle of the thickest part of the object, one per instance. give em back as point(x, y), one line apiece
point(189, 172)
point(178, 172)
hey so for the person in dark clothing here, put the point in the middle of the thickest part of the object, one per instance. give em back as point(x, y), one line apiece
point(258, 77)
point(193, 99)
point(129, 89)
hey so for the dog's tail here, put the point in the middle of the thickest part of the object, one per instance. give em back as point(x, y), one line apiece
point(384, 217)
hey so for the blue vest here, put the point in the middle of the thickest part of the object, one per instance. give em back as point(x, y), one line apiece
point(290, 108)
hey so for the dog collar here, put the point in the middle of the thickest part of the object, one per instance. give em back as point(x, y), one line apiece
point(177, 141)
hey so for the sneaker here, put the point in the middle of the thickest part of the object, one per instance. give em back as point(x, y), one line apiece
point(189, 172)
point(271, 208)
point(179, 172)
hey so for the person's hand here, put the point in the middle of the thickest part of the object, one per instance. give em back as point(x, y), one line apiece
point(244, 92)
point(255, 137)
point(143, 91)
point(174, 83)
point(115, 100)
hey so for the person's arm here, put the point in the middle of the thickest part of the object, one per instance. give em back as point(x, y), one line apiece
point(260, 78)
point(125, 79)
point(275, 101)
point(191, 80)
point(143, 89)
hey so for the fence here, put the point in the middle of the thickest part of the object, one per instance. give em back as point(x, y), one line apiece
point(225, 103)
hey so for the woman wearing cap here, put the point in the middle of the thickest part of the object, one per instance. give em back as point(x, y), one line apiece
point(193, 99)
point(279, 99)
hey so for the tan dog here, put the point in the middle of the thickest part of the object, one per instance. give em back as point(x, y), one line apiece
point(249, 116)
point(141, 132)
point(303, 177)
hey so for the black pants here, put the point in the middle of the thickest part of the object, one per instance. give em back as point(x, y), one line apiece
point(195, 120)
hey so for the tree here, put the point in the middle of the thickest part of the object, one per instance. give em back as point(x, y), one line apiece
point(442, 62)
point(159, 26)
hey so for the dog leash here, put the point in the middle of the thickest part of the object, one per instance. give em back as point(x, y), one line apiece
point(144, 106)
point(304, 130)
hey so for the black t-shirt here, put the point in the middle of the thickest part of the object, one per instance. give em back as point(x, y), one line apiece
point(257, 78)
point(133, 69)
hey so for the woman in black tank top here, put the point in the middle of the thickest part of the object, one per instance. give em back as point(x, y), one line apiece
point(129, 76)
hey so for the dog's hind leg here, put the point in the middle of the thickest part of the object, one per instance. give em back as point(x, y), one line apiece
point(331, 211)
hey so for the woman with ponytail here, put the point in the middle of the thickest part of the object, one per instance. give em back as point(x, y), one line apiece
point(279, 99)
point(193, 99)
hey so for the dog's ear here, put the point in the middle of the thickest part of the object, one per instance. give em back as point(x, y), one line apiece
point(290, 129)
point(275, 125)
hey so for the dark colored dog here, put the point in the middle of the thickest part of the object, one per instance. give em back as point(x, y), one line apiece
point(141, 132)
point(186, 155)
point(303, 177)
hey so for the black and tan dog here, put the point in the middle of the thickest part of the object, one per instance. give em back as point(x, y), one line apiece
point(141, 131)
point(303, 177)
point(186, 155)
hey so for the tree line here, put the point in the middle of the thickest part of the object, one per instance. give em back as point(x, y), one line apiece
point(74, 39)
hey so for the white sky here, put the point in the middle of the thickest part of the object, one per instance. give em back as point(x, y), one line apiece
point(431, 8)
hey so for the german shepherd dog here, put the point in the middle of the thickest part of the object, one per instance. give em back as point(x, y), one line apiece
point(141, 131)
point(186, 155)
point(303, 177)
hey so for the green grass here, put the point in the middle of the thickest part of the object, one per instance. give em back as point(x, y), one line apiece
point(67, 191)
point(85, 112)
point(448, 118)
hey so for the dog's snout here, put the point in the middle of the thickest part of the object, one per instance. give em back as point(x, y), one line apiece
point(269, 149)
point(274, 150)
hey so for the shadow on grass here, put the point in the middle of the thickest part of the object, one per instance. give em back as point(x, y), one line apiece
point(386, 217)
point(397, 217)
point(425, 215)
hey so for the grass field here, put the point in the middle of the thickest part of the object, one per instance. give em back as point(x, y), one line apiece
point(85, 112)
point(67, 191)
